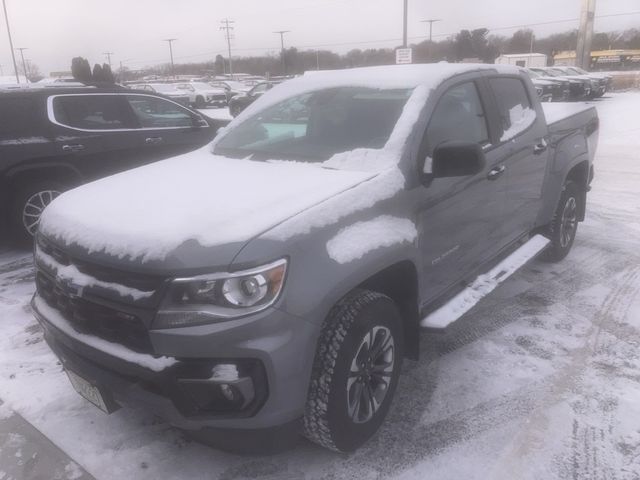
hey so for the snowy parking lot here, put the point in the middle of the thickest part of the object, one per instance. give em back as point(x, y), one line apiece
point(541, 380)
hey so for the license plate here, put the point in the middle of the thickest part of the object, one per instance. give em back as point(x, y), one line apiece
point(88, 391)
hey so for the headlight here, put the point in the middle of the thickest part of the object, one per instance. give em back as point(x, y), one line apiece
point(220, 296)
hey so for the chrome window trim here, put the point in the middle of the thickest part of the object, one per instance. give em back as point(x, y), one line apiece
point(53, 119)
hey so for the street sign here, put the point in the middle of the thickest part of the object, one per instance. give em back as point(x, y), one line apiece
point(404, 55)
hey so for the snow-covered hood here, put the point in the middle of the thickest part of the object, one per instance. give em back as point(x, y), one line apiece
point(193, 200)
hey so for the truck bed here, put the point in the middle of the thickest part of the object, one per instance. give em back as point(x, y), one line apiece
point(555, 113)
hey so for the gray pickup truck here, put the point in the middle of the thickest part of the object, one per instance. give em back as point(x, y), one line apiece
point(271, 283)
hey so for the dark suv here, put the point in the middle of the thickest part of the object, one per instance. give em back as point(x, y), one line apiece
point(54, 139)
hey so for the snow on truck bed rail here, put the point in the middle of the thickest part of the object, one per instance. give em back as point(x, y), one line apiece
point(555, 112)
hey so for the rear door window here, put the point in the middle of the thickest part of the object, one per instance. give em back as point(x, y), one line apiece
point(154, 112)
point(93, 112)
point(514, 106)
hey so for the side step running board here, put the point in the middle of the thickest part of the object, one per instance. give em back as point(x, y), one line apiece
point(484, 284)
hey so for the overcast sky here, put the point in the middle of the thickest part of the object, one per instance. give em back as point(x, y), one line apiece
point(54, 31)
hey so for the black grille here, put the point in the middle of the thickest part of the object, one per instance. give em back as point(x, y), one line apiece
point(94, 319)
point(146, 283)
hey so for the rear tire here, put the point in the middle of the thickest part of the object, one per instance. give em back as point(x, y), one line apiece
point(562, 229)
point(27, 206)
point(355, 371)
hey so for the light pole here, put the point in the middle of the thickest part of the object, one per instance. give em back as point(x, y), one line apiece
point(13, 54)
point(170, 41)
point(24, 64)
point(404, 23)
point(284, 63)
point(430, 21)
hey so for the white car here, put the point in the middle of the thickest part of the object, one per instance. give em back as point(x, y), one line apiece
point(165, 89)
point(202, 94)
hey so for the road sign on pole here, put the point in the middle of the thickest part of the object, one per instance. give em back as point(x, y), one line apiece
point(404, 55)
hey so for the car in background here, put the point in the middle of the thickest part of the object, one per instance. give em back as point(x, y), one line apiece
point(549, 90)
point(599, 83)
point(231, 87)
point(596, 87)
point(582, 71)
point(54, 139)
point(579, 89)
point(201, 94)
point(241, 101)
point(167, 89)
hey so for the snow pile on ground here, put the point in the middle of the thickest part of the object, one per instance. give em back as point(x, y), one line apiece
point(520, 119)
point(484, 284)
point(355, 241)
point(225, 372)
point(148, 212)
point(157, 364)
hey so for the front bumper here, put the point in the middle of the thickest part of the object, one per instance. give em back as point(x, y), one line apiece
point(272, 348)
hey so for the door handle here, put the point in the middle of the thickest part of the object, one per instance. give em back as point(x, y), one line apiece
point(494, 173)
point(152, 140)
point(73, 148)
point(540, 147)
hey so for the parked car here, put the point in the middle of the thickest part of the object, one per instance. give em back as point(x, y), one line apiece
point(241, 101)
point(167, 89)
point(272, 284)
point(550, 89)
point(52, 139)
point(579, 88)
point(231, 87)
point(202, 94)
point(582, 71)
point(599, 83)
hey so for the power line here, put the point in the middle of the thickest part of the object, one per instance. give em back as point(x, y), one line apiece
point(396, 39)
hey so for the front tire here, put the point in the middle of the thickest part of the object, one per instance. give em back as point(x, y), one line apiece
point(355, 371)
point(562, 229)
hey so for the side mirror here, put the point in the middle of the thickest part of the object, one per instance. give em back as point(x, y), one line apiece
point(456, 159)
point(198, 122)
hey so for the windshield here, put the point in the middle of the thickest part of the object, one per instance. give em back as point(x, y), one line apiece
point(532, 74)
point(555, 72)
point(576, 71)
point(236, 85)
point(315, 126)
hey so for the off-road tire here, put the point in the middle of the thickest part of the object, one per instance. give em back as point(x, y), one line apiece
point(18, 229)
point(326, 419)
point(559, 246)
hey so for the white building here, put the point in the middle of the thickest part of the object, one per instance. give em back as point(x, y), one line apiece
point(523, 59)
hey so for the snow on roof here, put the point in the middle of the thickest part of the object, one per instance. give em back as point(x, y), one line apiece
point(428, 76)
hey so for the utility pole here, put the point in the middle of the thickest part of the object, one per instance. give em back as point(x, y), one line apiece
point(585, 34)
point(227, 26)
point(108, 55)
point(531, 42)
point(430, 21)
point(404, 24)
point(317, 59)
point(24, 64)
point(170, 42)
point(13, 54)
point(284, 63)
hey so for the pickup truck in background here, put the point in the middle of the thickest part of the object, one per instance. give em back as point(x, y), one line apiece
point(272, 283)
